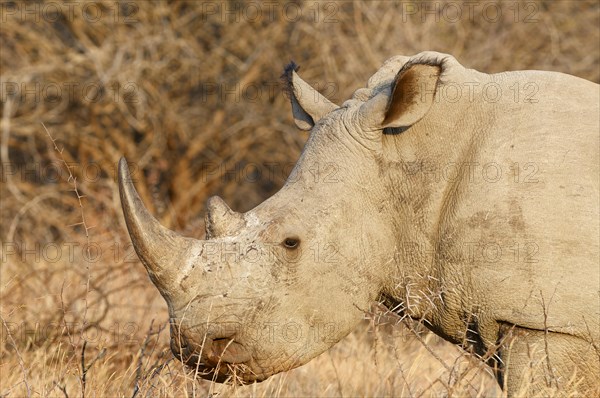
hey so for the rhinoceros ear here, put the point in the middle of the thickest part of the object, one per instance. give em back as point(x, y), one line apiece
point(308, 105)
point(413, 91)
point(412, 94)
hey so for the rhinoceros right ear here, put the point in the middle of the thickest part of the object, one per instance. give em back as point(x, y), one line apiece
point(412, 94)
point(308, 105)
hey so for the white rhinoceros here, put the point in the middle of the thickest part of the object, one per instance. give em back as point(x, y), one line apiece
point(463, 199)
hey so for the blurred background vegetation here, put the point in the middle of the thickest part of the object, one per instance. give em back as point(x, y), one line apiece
point(189, 92)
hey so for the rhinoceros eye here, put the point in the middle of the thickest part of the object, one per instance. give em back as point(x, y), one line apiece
point(291, 243)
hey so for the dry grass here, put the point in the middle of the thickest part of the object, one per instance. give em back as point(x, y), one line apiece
point(191, 96)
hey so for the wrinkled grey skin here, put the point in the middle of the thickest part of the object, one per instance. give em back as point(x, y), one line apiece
point(475, 211)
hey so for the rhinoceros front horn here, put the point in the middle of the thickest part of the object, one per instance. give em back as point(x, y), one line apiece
point(162, 251)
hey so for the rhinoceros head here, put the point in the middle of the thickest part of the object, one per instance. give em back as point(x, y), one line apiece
point(272, 288)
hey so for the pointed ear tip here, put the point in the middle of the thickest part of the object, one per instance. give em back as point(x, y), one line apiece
point(292, 66)
point(289, 70)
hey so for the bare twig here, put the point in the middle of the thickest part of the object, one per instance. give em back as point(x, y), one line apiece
point(85, 369)
point(139, 368)
point(62, 388)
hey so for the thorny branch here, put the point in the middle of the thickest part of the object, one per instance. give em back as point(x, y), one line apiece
point(73, 181)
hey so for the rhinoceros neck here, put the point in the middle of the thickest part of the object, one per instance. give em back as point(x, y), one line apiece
point(424, 168)
point(456, 183)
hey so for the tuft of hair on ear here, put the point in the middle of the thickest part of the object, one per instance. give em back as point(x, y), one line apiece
point(287, 78)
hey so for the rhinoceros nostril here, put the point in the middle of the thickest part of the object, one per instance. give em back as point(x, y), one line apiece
point(226, 351)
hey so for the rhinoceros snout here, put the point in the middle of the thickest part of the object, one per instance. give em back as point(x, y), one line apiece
point(215, 358)
point(226, 351)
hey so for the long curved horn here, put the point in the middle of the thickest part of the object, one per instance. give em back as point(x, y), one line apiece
point(162, 251)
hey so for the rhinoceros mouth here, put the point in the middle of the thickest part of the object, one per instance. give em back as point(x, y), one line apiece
point(222, 360)
point(224, 372)
point(230, 373)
